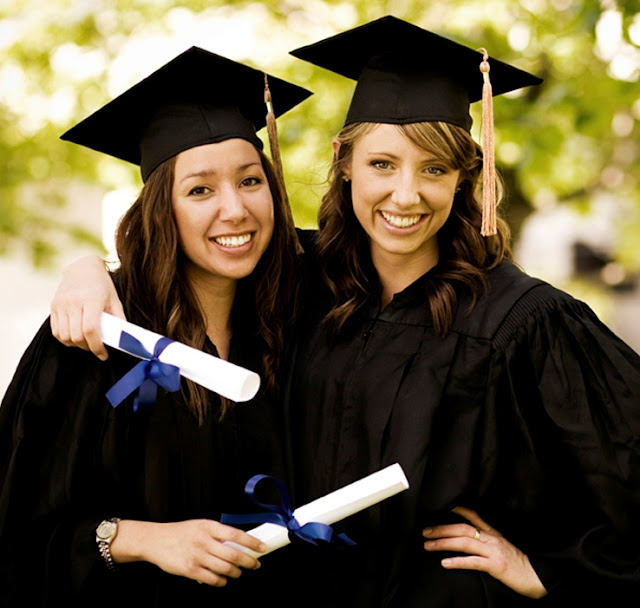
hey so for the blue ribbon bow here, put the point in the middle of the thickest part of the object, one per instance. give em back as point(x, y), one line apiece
point(282, 515)
point(145, 376)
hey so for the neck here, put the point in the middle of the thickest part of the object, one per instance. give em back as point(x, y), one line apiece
point(216, 297)
point(396, 272)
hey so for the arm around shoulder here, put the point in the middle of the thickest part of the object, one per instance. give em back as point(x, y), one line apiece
point(86, 290)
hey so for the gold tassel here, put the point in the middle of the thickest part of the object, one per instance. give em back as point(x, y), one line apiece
point(488, 146)
point(274, 145)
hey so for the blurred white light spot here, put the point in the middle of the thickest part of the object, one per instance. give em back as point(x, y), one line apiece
point(561, 5)
point(9, 33)
point(609, 33)
point(114, 204)
point(78, 64)
point(622, 124)
point(625, 65)
point(544, 199)
point(510, 152)
point(634, 30)
point(61, 105)
point(12, 84)
point(519, 36)
point(612, 177)
point(534, 6)
point(613, 274)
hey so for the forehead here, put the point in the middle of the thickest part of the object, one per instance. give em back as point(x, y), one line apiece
point(231, 154)
point(388, 138)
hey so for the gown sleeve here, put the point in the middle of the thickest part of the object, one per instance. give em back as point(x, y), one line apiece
point(58, 472)
point(563, 406)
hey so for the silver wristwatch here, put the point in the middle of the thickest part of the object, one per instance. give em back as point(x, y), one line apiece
point(105, 533)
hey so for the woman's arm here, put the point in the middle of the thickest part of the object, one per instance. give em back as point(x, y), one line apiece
point(86, 290)
point(194, 549)
point(487, 551)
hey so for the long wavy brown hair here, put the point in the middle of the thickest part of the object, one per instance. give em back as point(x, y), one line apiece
point(464, 255)
point(156, 293)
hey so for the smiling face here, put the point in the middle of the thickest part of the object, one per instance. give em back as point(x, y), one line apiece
point(401, 197)
point(223, 209)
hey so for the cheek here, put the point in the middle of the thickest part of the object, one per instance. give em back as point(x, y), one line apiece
point(265, 213)
point(188, 225)
point(361, 199)
point(442, 198)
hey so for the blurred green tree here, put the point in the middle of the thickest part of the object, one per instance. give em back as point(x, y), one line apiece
point(573, 140)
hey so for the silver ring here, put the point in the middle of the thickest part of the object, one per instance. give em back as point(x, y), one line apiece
point(477, 535)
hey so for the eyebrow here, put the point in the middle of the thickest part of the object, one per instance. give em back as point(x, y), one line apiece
point(426, 159)
point(208, 172)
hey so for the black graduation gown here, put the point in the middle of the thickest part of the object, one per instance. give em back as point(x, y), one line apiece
point(68, 460)
point(528, 412)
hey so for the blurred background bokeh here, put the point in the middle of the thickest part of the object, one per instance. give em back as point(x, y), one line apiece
point(569, 149)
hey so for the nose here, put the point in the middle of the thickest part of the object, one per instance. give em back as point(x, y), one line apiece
point(405, 190)
point(232, 207)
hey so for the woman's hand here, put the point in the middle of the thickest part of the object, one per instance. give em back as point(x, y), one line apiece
point(194, 549)
point(86, 290)
point(488, 551)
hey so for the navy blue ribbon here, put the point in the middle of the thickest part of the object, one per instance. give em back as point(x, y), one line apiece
point(282, 515)
point(146, 376)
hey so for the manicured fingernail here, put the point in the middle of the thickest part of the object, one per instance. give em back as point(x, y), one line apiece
point(446, 563)
point(427, 531)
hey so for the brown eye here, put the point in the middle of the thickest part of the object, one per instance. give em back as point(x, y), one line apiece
point(251, 181)
point(198, 191)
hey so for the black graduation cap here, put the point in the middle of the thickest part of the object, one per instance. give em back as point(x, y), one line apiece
point(197, 98)
point(408, 74)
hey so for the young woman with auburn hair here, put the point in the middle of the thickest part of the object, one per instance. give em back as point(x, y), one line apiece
point(512, 409)
point(464, 254)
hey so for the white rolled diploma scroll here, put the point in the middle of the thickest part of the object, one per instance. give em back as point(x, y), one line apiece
point(226, 379)
point(334, 506)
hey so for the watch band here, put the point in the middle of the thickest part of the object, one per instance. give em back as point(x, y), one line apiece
point(104, 542)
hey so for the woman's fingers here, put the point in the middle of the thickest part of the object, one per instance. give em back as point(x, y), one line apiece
point(473, 517)
point(485, 550)
point(86, 290)
point(458, 530)
point(194, 549)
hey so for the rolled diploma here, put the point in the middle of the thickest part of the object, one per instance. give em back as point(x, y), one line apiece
point(226, 379)
point(334, 506)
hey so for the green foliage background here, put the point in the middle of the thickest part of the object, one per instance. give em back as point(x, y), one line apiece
point(571, 141)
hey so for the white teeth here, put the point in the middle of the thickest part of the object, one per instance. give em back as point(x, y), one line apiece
point(401, 221)
point(233, 241)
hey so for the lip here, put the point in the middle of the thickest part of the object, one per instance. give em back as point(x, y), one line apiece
point(402, 229)
point(234, 249)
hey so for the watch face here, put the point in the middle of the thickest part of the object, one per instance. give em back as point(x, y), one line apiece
point(106, 530)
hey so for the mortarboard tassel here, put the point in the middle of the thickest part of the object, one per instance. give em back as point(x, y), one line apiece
point(274, 145)
point(488, 147)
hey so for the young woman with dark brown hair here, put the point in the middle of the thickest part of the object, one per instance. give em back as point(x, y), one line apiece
point(103, 505)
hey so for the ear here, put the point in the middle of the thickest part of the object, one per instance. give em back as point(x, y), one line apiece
point(335, 144)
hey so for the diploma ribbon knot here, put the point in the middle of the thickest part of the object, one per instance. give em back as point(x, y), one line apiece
point(146, 376)
point(283, 515)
